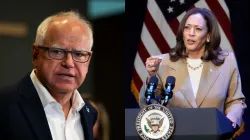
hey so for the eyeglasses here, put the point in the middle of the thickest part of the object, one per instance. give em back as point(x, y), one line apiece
point(60, 54)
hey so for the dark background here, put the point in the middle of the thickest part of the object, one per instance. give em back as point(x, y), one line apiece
point(104, 79)
point(240, 19)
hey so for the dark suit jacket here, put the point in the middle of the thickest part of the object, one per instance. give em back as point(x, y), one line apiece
point(23, 118)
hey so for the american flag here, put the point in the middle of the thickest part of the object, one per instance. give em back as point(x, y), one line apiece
point(161, 21)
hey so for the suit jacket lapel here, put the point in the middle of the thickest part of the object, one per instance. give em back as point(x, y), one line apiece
point(87, 126)
point(208, 78)
point(183, 83)
point(33, 109)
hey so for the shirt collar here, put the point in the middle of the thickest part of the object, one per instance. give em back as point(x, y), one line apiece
point(77, 101)
point(46, 98)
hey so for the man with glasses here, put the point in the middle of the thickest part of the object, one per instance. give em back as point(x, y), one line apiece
point(45, 104)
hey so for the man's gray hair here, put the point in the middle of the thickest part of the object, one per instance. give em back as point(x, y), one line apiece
point(42, 28)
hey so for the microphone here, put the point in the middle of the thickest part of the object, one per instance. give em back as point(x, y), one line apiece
point(150, 94)
point(168, 93)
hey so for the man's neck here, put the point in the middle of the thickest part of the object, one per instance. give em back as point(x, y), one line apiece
point(65, 100)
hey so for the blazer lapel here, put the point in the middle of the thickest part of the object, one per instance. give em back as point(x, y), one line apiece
point(183, 83)
point(87, 126)
point(33, 109)
point(208, 78)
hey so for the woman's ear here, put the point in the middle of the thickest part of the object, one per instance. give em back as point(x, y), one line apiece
point(208, 38)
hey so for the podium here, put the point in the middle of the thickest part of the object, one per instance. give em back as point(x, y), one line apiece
point(190, 124)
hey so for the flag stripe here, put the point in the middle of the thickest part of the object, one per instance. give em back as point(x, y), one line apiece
point(134, 90)
point(174, 24)
point(148, 42)
point(222, 18)
point(137, 79)
point(156, 33)
point(180, 17)
point(143, 53)
point(140, 69)
point(159, 19)
point(225, 44)
point(224, 6)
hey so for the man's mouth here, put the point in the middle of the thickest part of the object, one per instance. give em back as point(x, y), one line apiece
point(66, 75)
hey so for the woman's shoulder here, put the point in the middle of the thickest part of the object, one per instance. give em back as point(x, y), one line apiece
point(229, 58)
point(229, 55)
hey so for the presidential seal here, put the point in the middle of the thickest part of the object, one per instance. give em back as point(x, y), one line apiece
point(155, 122)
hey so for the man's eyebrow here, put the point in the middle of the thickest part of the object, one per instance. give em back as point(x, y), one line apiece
point(78, 50)
point(81, 49)
point(58, 46)
point(74, 49)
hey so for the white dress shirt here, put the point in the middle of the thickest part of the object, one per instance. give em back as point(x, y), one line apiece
point(60, 128)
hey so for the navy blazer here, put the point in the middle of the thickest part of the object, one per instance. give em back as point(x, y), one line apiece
point(23, 117)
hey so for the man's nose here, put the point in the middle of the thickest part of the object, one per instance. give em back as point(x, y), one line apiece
point(68, 61)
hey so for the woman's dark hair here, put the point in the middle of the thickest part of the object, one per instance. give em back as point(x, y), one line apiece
point(213, 50)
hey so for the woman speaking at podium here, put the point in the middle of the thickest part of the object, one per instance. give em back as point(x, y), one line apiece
point(206, 76)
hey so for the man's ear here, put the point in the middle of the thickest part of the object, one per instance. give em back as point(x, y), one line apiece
point(90, 56)
point(34, 55)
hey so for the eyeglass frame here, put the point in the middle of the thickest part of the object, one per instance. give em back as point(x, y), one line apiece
point(65, 53)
